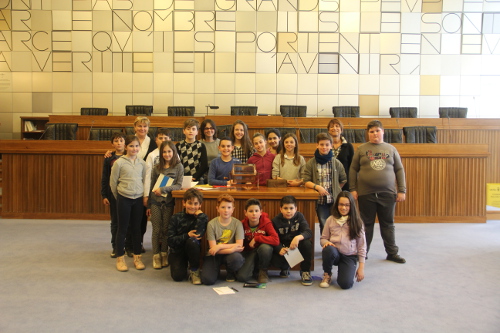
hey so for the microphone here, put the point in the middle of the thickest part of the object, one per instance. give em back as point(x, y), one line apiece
point(317, 113)
point(90, 131)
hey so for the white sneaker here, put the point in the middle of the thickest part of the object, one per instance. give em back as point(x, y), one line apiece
point(327, 279)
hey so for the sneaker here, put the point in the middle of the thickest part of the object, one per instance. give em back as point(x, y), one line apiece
point(138, 262)
point(121, 265)
point(284, 273)
point(263, 277)
point(327, 279)
point(230, 276)
point(306, 278)
point(164, 259)
point(396, 258)
point(195, 277)
point(156, 261)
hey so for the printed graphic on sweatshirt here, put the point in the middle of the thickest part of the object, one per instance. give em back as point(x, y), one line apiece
point(377, 159)
point(225, 237)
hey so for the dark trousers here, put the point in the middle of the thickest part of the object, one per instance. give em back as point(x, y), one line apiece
point(211, 266)
point(129, 213)
point(113, 212)
point(305, 248)
point(179, 260)
point(381, 205)
point(260, 257)
point(346, 266)
point(323, 211)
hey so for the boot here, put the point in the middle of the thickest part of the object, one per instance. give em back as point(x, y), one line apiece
point(164, 259)
point(138, 262)
point(120, 264)
point(156, 261)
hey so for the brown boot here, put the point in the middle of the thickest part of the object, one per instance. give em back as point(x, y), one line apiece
point(120, 264)
point(164, 259)
point(156, 261)
point(138, 262)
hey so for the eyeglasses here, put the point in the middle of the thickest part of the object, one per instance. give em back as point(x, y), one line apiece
point(209, 129)
point(344, 205)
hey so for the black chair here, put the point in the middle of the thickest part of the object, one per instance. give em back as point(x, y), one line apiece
point(308, 135)
point(346, 111)
point(283, 130)
point(293, 110)
point(60, 131)
point(102, 134)
point(223, 130)
point(244, 110)
point(151, 131)
point(452, 112)
point(175, 134)
point(393, 135)
point(354, 135)
point(403, 112)
point(420, 134)
point(138, 110)
point(94, 111)
point(180, 111)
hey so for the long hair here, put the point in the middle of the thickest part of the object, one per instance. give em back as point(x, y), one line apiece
point(296, 156)
point(175, 156)
point(355, 223)
point(246, 144)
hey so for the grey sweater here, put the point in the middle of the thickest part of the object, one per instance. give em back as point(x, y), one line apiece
point(127, 177)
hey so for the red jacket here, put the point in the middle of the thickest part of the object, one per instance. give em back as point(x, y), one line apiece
point(264, 166)
point(263, 234)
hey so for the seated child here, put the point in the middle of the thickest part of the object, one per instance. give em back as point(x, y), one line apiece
point(260, 238)
point(225, 240)
point(184, 233)
point(262, 158)
point(294, 232)
point(220, 167)
point(344, 244)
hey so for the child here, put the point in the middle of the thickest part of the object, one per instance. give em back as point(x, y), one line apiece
point(325, 174)
point(184, 234)
point(161, 203)
point(192, 152)
point(225, 240)
point(288, 164)
point(294, 232)
point(262, 158)
point(127, 185)
point(260, 238)
point(343, 242)
point(118, 142)
point(242, 144)
point(273, 136)
point(153, 158)
point(220, 168)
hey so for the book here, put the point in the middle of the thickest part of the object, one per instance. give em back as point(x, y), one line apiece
point(163, 181)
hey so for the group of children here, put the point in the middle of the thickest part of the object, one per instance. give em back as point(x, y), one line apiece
point(246, 248)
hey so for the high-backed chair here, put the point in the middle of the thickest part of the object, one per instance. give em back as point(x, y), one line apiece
point(283, 130)
point(60, 131)
point(346, 111)
point(420, 134)
point(180, 111)
point(293, 110)
point(138, 110)
point(244, 110)
point(223, 130)
point(103, 134)
point(393, 135)
point(308, 135)
point(175, 133)
point(151, 132)
point(94, 111)
point(354, 135)
point(452, 112)
point(403, 112)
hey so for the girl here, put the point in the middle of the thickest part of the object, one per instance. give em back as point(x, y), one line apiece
point(126, 182)
point(343, 241)
point(262, 158)
point(273, 136)
point(242, 144)
point(161, 203)
point(288, 164)
point(342, 150)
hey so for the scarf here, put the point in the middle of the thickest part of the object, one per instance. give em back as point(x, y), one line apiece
point(342, 220)
point(323, 159)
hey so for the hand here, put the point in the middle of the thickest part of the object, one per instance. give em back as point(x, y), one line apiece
point(145, 201)
point(401, 197)
point(198, 212)
point(295, 243)
point(294, 182)
point(329, 244)
point(360, 274)
point(108, 153)
point(321, 190)
point(193, 234)
point(213, 250)
point(354, 195)
point(238, 248)
point(252, 243)
point(148, 212)
point(283, 251)
point(157, 192)
point(105, 201)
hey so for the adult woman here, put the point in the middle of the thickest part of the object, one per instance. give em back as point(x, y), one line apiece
point(288, 164)
point(342, 150)
point(242, 145)
point(273, 137)
point(209, 138)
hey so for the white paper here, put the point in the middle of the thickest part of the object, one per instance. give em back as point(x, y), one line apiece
point(224, 291)
point(187, 182)
point(293, 257)
point(160, 180)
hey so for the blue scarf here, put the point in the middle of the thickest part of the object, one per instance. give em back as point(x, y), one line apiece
point(323, 159)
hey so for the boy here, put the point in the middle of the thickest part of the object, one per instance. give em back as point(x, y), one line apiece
point(153, 158)
point(192, 152)
point(294, 232)
point(260, 238)
point(184, 233)
point(118, 142)
point(262, 158)
point(225, 241)
point(325, 174)
point(220, 167)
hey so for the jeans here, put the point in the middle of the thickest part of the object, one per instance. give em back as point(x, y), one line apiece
point(129, 213)
point(346, 266)
point(179, 260)
point(211, 266)
point(381, 205)
point(323, 211)
point(305, 248)
point(113, 212)
point(260, 256)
